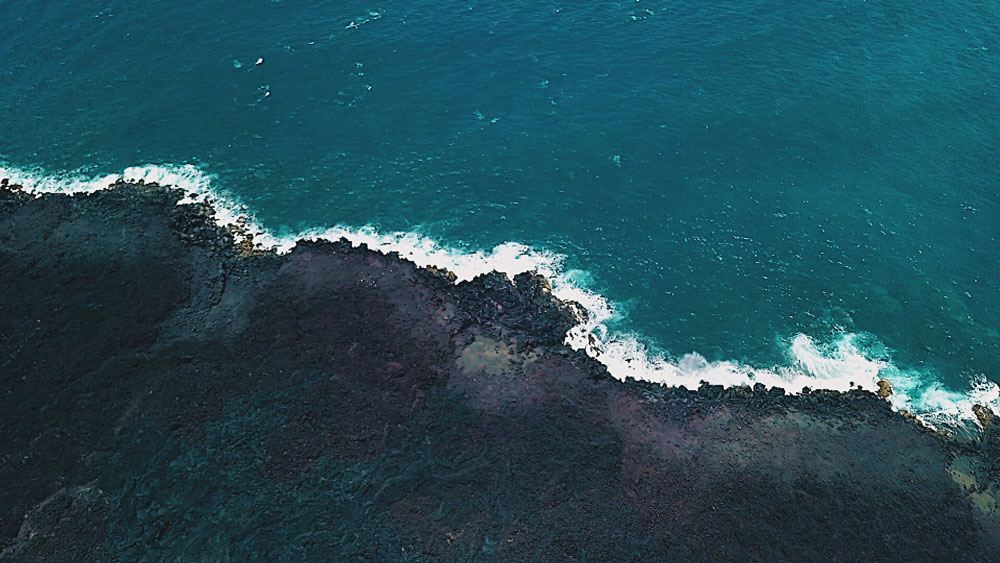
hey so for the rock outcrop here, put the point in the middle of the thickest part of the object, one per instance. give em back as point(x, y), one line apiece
point(884, 389)
point(169, 395)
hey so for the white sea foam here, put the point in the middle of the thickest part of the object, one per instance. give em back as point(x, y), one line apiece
point(196, 184)
point(838, 364)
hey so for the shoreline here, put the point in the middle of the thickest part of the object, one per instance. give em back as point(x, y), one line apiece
point(141, 339)
point(837, 363)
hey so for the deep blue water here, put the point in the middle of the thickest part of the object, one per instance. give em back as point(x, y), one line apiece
point(730, 173)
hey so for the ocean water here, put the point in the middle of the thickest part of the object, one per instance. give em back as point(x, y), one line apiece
point(801, 194)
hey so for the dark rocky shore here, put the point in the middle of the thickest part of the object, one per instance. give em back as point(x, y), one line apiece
point(170, 395)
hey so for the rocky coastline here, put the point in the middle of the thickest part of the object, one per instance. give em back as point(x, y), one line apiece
point(170, 392)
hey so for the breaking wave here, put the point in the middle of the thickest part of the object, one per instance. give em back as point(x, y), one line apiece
point(846, 361)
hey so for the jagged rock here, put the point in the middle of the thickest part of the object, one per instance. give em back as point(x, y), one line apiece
point(739, 392)
point(711, 391)
point(442, 272)
point(884, 389)
point(985, 416)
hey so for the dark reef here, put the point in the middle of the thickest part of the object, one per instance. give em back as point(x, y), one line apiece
point(168, 394)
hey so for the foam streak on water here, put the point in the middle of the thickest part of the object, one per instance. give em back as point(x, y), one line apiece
point(837, 365)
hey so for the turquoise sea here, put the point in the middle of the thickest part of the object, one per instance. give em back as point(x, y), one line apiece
point(785, 192)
